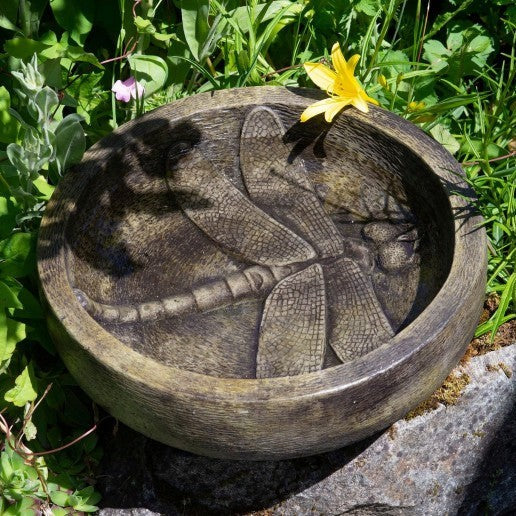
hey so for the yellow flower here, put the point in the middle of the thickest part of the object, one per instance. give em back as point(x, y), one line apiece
point(340, 84)
point(382, 81)
point(416, 106)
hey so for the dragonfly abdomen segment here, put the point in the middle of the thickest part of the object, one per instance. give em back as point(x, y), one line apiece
point(148, 311)
point(252, 282)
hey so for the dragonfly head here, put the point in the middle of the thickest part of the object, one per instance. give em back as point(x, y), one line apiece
point(396, 244)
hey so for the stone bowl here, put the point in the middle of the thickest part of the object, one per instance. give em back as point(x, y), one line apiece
point(364, 261)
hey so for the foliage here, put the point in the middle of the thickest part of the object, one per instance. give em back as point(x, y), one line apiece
point(27, 486)
point(447, 66)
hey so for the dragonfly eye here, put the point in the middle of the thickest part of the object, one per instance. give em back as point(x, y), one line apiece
point(396, 256)
point(380, 232)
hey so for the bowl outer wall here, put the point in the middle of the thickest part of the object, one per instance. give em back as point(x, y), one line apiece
point(279, 417)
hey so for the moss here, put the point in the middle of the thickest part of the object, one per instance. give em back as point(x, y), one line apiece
point(448, 394)
point(501, 366)
point(434, 491)
point(506, 369)
point(393, 432)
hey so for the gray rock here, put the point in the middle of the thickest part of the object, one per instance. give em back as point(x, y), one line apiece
point(454, 460)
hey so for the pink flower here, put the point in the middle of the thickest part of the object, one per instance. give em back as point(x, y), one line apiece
point(124, 90)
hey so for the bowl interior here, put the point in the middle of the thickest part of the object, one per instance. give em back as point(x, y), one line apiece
point(131, 240)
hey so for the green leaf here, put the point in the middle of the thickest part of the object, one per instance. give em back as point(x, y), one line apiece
point(70, 143)
point(86, 499)
point(44, 101)
point(59, 511)
point(194, 14)
point(481, 47)
point(178, 68)
point(78, 54)
point(30, 157)
point(436, 54)
point(451, 103)
point(29, 77)
point(9, 126)
point(164, 38)
point(9, 14)
point(30, 306)
point(30, 431)
point(8, 213)
point(8, 297)
point(75, 16)
point(17, 156)
point(445, 138)
point(398, 62)
point(24, 390)
point(60, 498)
point(22, 48)
point(368, 7)
point(506, 298)
point(468, 49)
point(55, 50)
point(211, 39)
point(18, 255)
point(267, 11)
point(455, 40)
point(85, 507)
point(30, 15)
point(144, 26)
point(6, 469)
point(74, 500)
point(88, 93)
point(151, 71)
point(11, 332)
point(43, 187)
point(51, 71)
point(25, 507)
point(476, 147)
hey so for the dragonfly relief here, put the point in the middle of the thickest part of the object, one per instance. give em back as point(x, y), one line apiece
point(314, 283)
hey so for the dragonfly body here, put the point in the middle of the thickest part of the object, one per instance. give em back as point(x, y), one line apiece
point(316, 293)
point(252, 283)
point(255, 282)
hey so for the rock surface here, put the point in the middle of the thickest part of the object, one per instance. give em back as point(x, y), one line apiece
point(458, 459)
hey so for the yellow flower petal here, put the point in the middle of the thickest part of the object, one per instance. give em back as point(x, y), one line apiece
point(360, 104)
point(367, 98)
point(352, 63)
point(319, 107)
point(346, 69)
point(330, 113)
point(321, 75)
point(337, 58)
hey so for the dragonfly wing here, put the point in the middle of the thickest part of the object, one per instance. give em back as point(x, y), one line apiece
point(293, 328)
point(357, 321)
point(282, 188)
point(226, 215)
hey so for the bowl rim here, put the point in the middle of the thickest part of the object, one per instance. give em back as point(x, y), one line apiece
point(115, 356)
